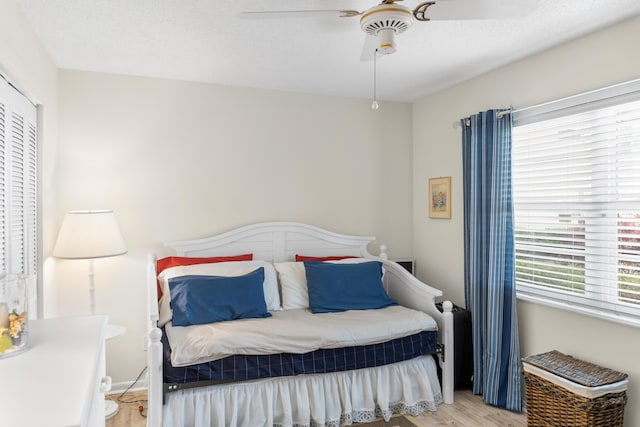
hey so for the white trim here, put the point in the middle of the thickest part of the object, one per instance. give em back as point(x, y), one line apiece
point(39, 213)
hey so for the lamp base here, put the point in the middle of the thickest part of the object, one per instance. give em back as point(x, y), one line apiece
point(110, 409)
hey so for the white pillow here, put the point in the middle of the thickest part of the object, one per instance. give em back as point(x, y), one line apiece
point(293, 284)
point(227, 269)
point(293, 281)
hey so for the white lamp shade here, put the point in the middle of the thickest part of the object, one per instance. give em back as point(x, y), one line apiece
point(89, 234)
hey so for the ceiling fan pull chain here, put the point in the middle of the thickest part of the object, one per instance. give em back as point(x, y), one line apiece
point(374, 104)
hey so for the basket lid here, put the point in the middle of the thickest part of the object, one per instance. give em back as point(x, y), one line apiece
point(576, 370)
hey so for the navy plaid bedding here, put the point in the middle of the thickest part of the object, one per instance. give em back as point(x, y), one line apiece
point(241, 368)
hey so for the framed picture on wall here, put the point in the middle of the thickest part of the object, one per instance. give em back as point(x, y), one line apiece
point(440, 197)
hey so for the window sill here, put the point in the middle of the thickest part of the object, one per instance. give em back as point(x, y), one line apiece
point(622, 318)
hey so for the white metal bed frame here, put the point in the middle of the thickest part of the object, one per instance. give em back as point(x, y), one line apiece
point(279, 242)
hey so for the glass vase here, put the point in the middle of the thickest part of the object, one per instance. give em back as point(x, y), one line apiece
point(14, 337)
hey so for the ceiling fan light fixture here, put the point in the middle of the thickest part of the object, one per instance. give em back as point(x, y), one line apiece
point(386, 41)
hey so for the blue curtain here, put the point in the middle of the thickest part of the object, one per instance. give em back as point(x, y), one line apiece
point(489, 258)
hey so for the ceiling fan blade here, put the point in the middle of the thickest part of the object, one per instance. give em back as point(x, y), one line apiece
point(269, 14)
point(479, 9)
point(369, 48)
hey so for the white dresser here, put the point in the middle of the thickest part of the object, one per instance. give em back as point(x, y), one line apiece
point(60, 380)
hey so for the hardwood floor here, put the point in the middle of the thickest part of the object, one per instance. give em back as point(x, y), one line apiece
point(128, 415)
point(467, 411)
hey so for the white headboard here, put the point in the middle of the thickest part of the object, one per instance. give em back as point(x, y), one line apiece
point(275, 242)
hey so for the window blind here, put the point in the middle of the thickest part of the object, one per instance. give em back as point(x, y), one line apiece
point(18, 187)
point(576, 184)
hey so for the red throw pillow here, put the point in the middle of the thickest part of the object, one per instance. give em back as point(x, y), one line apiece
point(175, 261)
point(300, 258)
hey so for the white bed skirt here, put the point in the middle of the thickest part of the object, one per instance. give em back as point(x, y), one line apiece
point(331, 400)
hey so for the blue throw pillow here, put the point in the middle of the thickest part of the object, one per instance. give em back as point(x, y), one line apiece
point(196, 300)
point(340, 287)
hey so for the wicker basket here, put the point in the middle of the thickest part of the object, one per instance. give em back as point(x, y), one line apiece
point(562, 391)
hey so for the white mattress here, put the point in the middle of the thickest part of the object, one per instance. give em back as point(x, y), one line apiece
point(292, 331)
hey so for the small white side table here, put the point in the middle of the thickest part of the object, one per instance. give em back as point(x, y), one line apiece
point(110, 406)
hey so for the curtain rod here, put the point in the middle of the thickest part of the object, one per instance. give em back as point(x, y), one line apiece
point(585, 97)
point(467, 120)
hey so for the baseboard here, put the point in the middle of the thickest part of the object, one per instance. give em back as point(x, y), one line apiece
point(117, 388)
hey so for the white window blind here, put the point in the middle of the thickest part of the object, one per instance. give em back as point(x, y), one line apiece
point(576, 184)
point(18, 187)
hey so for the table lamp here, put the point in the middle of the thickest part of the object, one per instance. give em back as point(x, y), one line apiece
point(89, 235)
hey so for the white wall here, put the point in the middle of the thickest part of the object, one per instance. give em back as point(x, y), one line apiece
point(180, 160)
point(598, 60)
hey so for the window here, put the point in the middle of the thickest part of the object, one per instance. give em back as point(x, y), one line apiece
point(18, 188)
point(576, 185)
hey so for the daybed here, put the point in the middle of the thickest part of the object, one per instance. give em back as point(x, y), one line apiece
point(294, 356)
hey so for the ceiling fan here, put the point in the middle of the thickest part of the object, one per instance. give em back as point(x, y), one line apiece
point(381, 23)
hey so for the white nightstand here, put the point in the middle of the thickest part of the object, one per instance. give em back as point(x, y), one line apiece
point(48, 384)
point(110, 406)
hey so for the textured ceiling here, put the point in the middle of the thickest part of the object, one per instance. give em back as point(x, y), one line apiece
point(206, 41)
